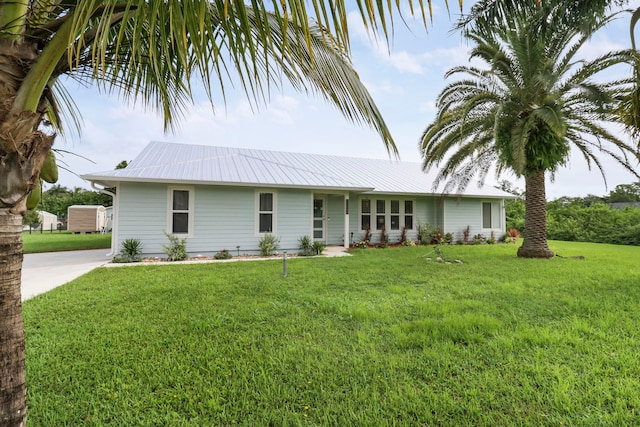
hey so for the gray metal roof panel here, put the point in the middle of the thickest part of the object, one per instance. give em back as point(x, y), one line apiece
point(161, 161)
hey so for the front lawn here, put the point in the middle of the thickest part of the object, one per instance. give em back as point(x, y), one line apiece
point(56, 241)
point(380, 338)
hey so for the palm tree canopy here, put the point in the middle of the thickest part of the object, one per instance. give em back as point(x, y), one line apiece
point(152, 52)
point(532, 102)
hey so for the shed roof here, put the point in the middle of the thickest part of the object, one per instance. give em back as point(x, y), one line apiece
point(200, 164)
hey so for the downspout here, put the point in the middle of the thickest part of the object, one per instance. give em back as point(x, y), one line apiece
point(113, 227)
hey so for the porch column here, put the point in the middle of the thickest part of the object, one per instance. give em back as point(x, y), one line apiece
point(347, 236)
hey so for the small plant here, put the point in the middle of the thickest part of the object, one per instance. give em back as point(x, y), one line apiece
point(465, 235)
point(424, 231)
point(317, 247)
point(479, 239)
point(408, 242)
point(448, 238)
point(223, 254)
point(403, 236)
point(176, 250)
point(268, 244)
point(367, 235)
point(492, 238)
point(435, 237)
point(130, 251)
point(305, 246)
point(384, 238)
point(363, 244)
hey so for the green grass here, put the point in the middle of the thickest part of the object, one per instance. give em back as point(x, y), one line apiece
point(382, 338)
point(63, 241)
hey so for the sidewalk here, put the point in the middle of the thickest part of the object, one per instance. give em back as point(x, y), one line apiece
point(45, 271)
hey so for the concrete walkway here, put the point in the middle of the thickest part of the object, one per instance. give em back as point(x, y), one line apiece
point(45, 271)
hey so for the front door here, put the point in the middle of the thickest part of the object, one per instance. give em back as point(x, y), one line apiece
point(318, 219)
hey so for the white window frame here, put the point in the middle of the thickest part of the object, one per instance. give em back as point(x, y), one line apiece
point(373, 214)
point(190, 212)
point(404, 214)
point(274, 212)
point(482, 215)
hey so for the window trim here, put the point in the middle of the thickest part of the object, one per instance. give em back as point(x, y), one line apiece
point(190, 212)
point(373, 212)
point(274, 212)
point(482, 215)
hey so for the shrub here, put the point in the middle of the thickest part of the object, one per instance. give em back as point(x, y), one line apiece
point(305, 246)
point(403, 236)
point(268, 244)
point(436, 237)
point(448, 238)
point(130, 251)
point(424, 231)
point(384, 238)
point(478, 239)
point(223, 254)
point(465, 235)
point(492, 238)
point(177, 248)
point(317, 247)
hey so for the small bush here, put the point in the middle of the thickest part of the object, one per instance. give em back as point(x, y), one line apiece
point(317, 247)
point(363, 244)
point(492, 238)
point(305, 246)
point(223, 254)
point(448, 238)
point(436, 237)
point(130, 251)
point(479, 239)
point(465, 235)
point(384, 238)
point(177, 248)
point(268, 244)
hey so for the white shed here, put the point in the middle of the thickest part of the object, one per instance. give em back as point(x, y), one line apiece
point(86, 218)
point(48, 221)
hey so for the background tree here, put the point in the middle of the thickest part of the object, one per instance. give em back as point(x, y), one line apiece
point(534, 100)
point(123, 164)
point(151, 52)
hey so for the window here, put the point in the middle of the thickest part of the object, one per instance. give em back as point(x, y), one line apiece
point(388, 214)
point(265, 212)
point(486, 215)
point(395, 214)
point(380, 216)
point(408, 214)
point(180, 211)
point(365, 220)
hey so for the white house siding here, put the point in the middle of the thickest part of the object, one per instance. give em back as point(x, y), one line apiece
point(142, 215)
point(461, 213)
point(224, 218)
point(294, 216)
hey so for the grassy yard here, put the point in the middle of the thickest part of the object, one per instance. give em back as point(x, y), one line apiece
point(382, 338)
point(63, 241)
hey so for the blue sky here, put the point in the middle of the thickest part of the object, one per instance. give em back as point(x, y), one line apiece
point(404, 84)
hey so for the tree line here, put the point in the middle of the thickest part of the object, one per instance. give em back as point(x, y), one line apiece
point(57, 199)
point(614, 218)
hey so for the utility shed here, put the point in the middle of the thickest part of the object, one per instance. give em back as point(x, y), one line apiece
point(48, 221)
point(86, 218)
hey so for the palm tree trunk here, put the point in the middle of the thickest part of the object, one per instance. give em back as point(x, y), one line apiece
point(534, 244)
point(13, 407)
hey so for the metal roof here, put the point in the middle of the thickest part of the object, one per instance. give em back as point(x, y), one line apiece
point(201, 164)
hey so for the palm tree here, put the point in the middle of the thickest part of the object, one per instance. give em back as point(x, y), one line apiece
point(151, 52)
point(532, 102)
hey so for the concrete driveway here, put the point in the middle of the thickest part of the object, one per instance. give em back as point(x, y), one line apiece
point(45, 271)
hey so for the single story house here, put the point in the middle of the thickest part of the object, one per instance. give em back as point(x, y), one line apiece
point(229, 198)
